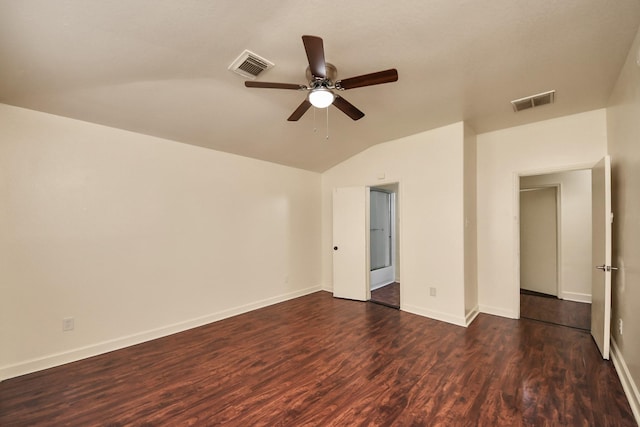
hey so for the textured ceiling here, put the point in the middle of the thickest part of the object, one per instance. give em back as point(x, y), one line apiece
point(159, 67)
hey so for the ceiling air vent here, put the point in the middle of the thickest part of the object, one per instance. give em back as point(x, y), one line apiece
point(250, 65)
point(534, 101)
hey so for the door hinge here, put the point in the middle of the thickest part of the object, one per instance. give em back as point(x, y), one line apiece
point(611, 217)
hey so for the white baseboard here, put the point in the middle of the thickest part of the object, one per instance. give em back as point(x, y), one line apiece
point(381, 285)
point(57, 359)
point(497, 311)
point(436, 315)
point(471, 316)
point(629, 386)
point(576, 297)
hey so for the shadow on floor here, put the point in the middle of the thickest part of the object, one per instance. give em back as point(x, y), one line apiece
point(388, 295)
point(548, 308)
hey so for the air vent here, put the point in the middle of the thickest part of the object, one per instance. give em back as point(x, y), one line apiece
point(534, 101)
point(250, 65)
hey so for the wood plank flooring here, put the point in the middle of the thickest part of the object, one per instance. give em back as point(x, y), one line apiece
point(553, 310)
point(388, 295)
point(320, 361)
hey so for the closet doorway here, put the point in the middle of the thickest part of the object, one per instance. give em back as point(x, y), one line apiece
point(383, 246)
point(555, 248)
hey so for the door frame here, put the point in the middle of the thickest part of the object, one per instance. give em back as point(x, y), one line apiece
point(399, 188)
point(515, 291)
point(393, 231)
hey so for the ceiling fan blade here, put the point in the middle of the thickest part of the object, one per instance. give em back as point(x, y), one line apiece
point(315, 54)
point(267, 85)
point(348, 108)
point(302, 108)
point(386, 76)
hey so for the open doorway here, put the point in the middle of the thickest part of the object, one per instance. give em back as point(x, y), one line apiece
point(384, 278)
point(555, 248)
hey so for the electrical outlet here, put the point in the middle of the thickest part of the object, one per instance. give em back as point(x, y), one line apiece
point(68, 324)
point(620, 326)
point(432, 292)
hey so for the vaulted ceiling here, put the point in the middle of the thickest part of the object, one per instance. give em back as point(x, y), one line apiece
point(159, 67)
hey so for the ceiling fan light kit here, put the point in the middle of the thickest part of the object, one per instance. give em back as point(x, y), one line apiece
point(322, 82)
point(321, 97)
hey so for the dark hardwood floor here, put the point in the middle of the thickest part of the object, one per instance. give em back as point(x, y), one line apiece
point(548, 308)
point(388, 295)
point(320, 361)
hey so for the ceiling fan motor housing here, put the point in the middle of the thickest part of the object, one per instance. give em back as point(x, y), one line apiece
point(331, 74)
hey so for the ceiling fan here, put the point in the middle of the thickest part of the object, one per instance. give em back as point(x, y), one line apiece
point(322, 83)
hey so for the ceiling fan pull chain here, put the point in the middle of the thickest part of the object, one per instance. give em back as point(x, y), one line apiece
point(327, 137)
point(315, 128)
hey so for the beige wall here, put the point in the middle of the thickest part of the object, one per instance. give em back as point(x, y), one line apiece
point(429, 169)
point(575, 230)
point(623, 120)
point(136, 237)
point(571, 142)
point(539, 240)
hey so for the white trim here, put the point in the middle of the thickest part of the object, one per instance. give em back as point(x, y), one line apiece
point(576, 297)
point(435, 315)
point(499, 311)
point(515, 292)
point(628, 385)
point(381, 285)
point(471, 316)
point(558, 169)
point(386, 275)
point(559, 242)
point(56, 359)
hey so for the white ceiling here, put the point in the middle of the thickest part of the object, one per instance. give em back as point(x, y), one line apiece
point(159, 67)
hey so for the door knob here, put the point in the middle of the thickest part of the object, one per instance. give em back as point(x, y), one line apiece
point(335, 248)
point(606, 267)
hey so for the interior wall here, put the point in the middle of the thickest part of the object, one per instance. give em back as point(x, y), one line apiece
point(570, 142)
point(624, 137)
point(575, 230)
point(136, 237)
point(429, 169)
point(470, 225)
point(539, 240)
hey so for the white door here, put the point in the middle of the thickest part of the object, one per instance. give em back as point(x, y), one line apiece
point(350, 243)
point(601, 255)
point(539, 240)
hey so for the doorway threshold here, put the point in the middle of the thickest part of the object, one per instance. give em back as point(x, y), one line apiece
point(388, 295)
point(536, 294)
point(397, 307)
